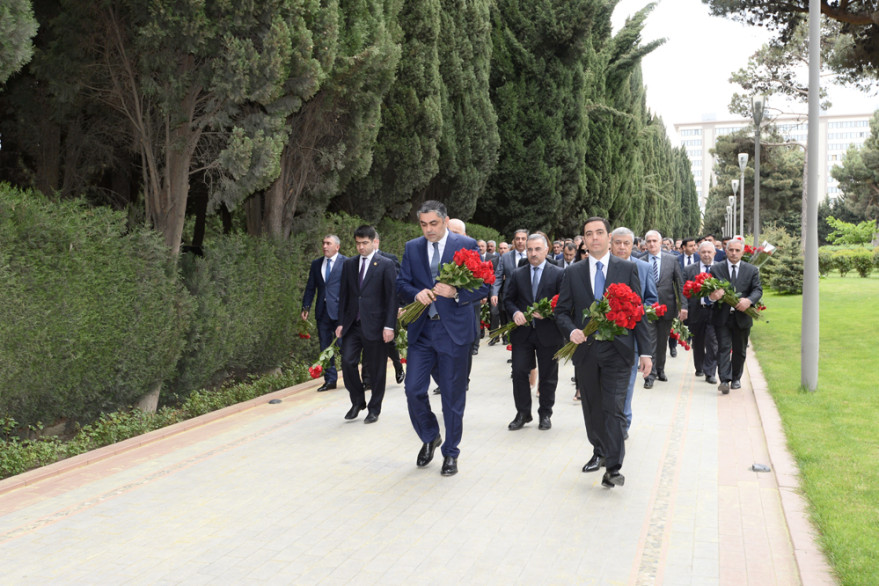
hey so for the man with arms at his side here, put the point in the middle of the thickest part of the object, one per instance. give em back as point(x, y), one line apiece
point(666, 273)
point(441, 337)
point(602, 367)
point(699, 314)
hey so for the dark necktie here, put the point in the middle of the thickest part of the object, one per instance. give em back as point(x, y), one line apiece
point(535, 281)
point(434, 271)
point(599, 280)
point(329, 269)
point(689, 260)
point(655, 271)
point(733, 276)
point(362, 271)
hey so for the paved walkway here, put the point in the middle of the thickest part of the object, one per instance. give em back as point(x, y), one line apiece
point(291, 493)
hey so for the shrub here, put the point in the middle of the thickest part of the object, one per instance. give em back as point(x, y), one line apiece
point(784, 271)
point(93, 316)
point(862, 262)
point(841, 261)
point(876, 257)
point(825, 261)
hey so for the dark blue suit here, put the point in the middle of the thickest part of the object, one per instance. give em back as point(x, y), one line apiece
point(649, 297)
point(326, 309)
point(443, 343)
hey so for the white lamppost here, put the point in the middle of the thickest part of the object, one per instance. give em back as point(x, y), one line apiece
point(732, 202)
point(759, 105)
point(743, 164)
point(728, 220)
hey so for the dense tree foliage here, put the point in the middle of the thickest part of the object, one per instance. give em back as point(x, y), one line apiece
point(17, 28)
point(858, 175)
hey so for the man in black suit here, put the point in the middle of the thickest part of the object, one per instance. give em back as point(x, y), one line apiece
point(732, 324)
point(602, 367)
point(541, 339)
point(688, 253)
point(666, 272)
point(324, 278)
point(367, 313)
point(698, 318)
point(393, 353)
point(508, 262)
point(569, 255)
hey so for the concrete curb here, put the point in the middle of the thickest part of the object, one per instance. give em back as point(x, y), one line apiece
point(39, 474)
point(812, 563)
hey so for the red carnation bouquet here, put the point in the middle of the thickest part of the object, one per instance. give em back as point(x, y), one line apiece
point(681, 333)
point(485, 316)
point(466, 271)
point(704, 285)
point(544, 307)
point(317, 369)
point(613, 315)
point(304, 329)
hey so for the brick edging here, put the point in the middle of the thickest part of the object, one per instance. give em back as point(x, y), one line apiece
point(811, 562)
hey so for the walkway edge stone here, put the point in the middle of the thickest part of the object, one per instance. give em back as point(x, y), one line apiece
point(813, 566)
point(51, 470)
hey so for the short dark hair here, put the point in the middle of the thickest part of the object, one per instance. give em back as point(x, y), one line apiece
point(365, 231)
point(597, 219)
point(686, 241)
point(522, 231)
point(570, 246)
point(432, 205)
point(709, 235)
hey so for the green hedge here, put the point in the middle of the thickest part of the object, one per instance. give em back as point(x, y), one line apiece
point(93, 317)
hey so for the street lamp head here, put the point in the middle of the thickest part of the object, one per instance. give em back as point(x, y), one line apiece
point(732, 201)
point(735, 186)
point(759, 104)
point(728, 210)
point(743, 161)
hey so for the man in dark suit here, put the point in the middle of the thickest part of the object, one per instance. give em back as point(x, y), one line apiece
point(666, 273)
point(569, 255)
point(732, 324)
point(324, 277)
point(367, 313)
point(688, 253)
point(621, 244)
point(508, 262)
point(494, 311)
point(393, 353)
point(698, 318)
point(440, 337)
point(602, 367)
point(536, 343)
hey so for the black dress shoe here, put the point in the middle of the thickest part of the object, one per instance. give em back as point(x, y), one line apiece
point(520, 420)
point(710, 379)
point(625, 434)
point(474, 352)
point(611, 479)
point(663, 378)
point(450, 466)
point(401, 375)
point(326, 387)
point(354, 411)
point(593, 464)
point(509, 360)
point(723, 387)
point(492, 342)
point(371, 418)
point(367, 387)
point(735, 384)
point(673, 351)
point(648, 383)
point(425, 455)
point(545, 423)
point(700, 373)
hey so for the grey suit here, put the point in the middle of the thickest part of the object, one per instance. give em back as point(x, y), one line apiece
point(733, 327)
point(669, 289)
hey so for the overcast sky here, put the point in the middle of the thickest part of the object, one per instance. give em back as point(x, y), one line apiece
point(687, 77)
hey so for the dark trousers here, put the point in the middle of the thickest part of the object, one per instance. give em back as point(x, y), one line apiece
point(663, 327)
point(375, 363)
point(731, 339)
point(527, 353)
point(432, 350)
point(326, 335)
point(604, 379)
point(704, 347)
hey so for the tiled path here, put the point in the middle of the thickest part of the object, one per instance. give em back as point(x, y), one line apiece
point(292, 494)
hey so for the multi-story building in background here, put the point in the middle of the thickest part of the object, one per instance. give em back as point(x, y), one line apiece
point(835, 134)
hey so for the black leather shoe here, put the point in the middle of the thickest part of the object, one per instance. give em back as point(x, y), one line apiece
point(700, 373)
point(367, 387)
point(425, 455)
point(611, 479)
point(371, 418)
point(593, 464)
point(648, 383)
point(663, 378)
point(492, 342)
point(625, 434)
point(354, 411)
point(735, 384)
point(723, 387)
point(710, 379)
point(673, 351)
point(545, 423)
point(509, 360)
point(474, 352)
point(326, 387)
point(520, 420)
point(401, 375)
point(450, 466)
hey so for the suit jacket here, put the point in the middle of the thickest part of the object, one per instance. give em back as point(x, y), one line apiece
point(747, 285)
point(327, 305)
point(455, 316)
point(505, 268)
point(719, 255)
point(490, 256)
point(518, 296)
point(375, 300)
point(648, 286)
point(682, 259)
point(392, 257)
point(696, 312)
point(576, 295)
point(671, 283)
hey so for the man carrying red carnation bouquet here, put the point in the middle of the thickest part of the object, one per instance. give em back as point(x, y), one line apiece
point(602, 366)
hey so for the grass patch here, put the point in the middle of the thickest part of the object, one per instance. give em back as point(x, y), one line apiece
point(832, 433)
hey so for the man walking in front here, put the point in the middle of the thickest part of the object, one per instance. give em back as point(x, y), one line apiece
point(602, 367)
point(441, 337)
point(666, 272)
point(699, 316)
point(324, 278)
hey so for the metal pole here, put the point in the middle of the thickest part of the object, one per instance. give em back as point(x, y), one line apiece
point(732, 204)
point(811, 314)
point(758, 117)
point(743, 164)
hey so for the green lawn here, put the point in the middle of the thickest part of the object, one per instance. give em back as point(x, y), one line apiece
point(833, 432)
